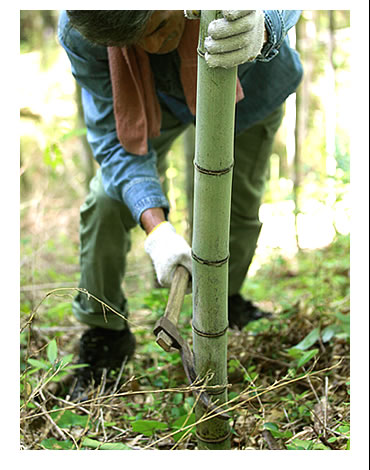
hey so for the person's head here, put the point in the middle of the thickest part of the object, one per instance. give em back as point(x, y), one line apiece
point(156, 31)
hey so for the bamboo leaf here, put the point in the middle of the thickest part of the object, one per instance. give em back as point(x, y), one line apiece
point(54, 444)
point(68, 418)
point(52, 351)
point(39, 364)
point(271, 427)
point(328, 333)
point(94, 444)
point(309, 340)
point(307, 356)
point(147, 427)
point(66, 360)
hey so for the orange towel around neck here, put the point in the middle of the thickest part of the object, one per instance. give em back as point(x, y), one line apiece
point(136, 107)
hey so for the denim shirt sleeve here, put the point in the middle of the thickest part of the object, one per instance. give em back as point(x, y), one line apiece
point(132, 179)
point(278, 23)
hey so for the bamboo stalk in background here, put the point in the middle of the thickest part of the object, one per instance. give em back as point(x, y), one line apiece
point(300, 130)
point(212, 201)
point(189, 148)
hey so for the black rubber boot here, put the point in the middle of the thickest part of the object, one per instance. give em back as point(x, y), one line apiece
point(242, 311)
point(101, 349)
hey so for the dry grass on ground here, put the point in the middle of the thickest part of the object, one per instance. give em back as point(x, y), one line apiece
point(273, 403)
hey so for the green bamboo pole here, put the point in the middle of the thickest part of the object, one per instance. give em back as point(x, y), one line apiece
point(212, 198)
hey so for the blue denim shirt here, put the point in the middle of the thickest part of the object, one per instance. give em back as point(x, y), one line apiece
point(133, 179)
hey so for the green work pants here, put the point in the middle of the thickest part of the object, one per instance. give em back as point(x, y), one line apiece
point(105, 223)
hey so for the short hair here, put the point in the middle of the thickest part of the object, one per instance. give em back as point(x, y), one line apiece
point(110, 27)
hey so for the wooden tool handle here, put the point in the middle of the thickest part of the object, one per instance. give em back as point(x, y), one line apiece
point(177, 293)
point(175, 300)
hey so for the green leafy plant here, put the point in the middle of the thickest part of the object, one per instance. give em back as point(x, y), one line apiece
point(94, 444)
point(148, 427)
point(56, 368)
point(274, 429)
point(301, 352)
point(43, 371)
point(340, 329)
point(299, 444)
point(54, 444)
point(343, 431)
point(68, 418)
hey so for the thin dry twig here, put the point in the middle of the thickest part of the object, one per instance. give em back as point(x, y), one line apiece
point(50, 419)
point(122, 368)
point(218, 408)
point(80, 290)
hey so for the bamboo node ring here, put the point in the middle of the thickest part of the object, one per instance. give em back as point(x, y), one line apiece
point(215, 440)
point(221, 172)
point(200, 53)
point(215, 263)
point(209, 335)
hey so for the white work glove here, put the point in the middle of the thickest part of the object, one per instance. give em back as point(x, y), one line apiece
point(236, 38)
point(167, 249)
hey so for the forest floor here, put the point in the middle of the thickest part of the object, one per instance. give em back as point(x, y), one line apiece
point(289, 376)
